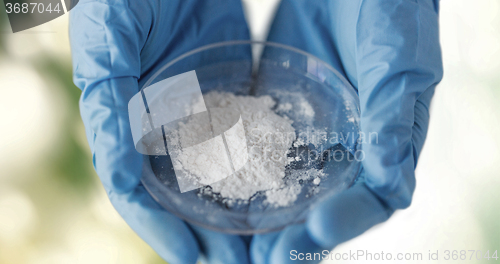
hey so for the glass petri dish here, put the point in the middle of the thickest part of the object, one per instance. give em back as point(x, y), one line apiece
point(289, 76)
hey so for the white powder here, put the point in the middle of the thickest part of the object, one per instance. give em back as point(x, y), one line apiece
point(205, 162)
point(317, 181)
point(285, 107)
point(269, 138)
point(306, 109)
point(202, 154)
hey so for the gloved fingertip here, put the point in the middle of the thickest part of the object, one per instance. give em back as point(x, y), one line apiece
point(345, 216)
point(261, 245)
point(121, 173)
point(317, 226)
point(184, 257)
point(168, 235)
point(292, 242)
point(122, 184)
point(216, 247)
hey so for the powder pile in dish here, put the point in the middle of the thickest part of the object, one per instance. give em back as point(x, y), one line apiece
point(270, 137)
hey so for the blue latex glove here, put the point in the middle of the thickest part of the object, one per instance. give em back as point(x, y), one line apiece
point(116, 46)
point(389, 50)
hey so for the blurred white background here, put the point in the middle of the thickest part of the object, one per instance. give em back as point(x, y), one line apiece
point(44, 218)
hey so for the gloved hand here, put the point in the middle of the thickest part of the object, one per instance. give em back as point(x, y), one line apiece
point(389, 50)
point(116, 45)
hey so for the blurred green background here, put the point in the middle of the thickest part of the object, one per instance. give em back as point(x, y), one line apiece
point(54, 210)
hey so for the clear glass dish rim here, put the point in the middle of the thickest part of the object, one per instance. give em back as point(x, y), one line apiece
point(346, 83)
point(248, 42)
